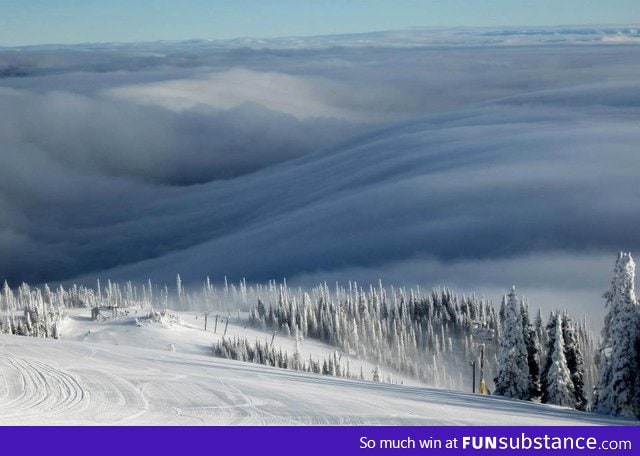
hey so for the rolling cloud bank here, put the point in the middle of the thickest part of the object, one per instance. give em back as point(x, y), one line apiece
point(476, 163)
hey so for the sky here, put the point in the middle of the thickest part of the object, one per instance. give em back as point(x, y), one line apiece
point(29, 22)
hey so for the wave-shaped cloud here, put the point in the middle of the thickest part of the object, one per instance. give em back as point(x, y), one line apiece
point(375, 162)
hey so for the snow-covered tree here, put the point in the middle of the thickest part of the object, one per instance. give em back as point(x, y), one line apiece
point(533, 350)
point(28, 327)
point(550, 338)
point(618, 389)
point(376, 374)
point(575, 361)
point(513, 379)
point(179, 289)
point(541, 333)
point(558, 385)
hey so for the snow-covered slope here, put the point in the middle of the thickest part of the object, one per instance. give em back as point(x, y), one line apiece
point(120, 373)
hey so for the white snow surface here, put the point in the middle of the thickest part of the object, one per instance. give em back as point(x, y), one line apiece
point(116, 372)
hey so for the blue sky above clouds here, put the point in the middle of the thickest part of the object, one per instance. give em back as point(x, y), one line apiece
point(26, 22)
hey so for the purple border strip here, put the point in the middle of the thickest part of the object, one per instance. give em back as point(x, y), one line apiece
point(311, 440)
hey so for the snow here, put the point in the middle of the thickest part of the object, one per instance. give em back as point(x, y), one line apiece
point(116, 372)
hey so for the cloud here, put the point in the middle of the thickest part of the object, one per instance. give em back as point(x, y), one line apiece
point(150, 144)
point(450, 193)
point(301, 98)
point(477, 167)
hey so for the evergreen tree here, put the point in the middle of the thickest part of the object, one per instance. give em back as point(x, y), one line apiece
point(541, 333)
point(28, 329)
point(377, 375)
point(559, 387)
point(513, 378)
point(617, 391)
point(501, 313)
point(533, 351)
point(179, 290)
point(575, 361)
point(551, 342)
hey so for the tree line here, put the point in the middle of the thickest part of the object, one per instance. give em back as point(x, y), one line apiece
point(428, 336)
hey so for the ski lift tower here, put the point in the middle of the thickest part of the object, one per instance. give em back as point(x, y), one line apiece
point(480, 334)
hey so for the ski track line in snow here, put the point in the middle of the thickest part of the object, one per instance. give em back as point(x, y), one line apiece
point(114, 400)
point(253, 414)
point(211, 400)
point(39, 389)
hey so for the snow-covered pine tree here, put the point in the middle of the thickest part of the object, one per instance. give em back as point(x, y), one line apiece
point(8, 297)
point(376, 374)
point(179, 289)
point(533, 350)
point(28, 328)
point(541, 333)
point(550, 338)
point(559, 387)
point(513, 378)
point(503, 305)
point(617, 391)
point(7, 326)
point(575, 361)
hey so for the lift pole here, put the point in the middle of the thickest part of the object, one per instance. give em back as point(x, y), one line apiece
point(483, 384)
point(226, 326)
point(473, 376)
